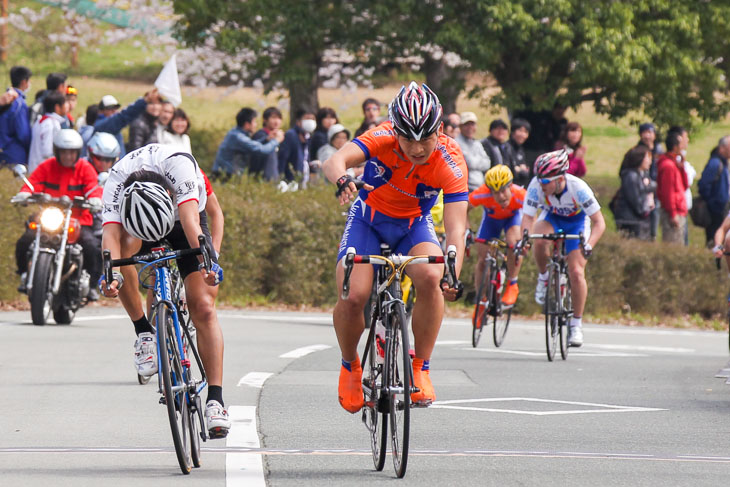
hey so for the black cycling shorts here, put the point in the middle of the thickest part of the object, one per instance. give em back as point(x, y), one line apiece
point(177, 240)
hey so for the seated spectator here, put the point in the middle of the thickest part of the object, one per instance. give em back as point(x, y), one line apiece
point(325, 118)
point(522, 167)
point(235, 151)
point(714, 186)
point(635, 199)
point(143, 129)
point(450, 128)
point(14, 120)
point(112, 121)
point(46, 128)
point(495, 142)
point(177, 132)
point(671, 186)
point(371, 111)
point(337, 136)
point(571, 139)
point(268, 164)
point(294, 151)
point(477, 160)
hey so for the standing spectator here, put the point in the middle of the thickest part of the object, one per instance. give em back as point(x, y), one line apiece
point(72, 95)
point(167, 110)
point(54, 82)
point(571, 139)
point(325, 118)
point(45, 128)
point(522, 168)
point(636, 195)
point(714, 186)
point(177, 132)
point(494, 142)
point(14, 123)
point(477, 160)
point(111, 121)
point(689, 170)
point(267, 163)
point(371, 111)
point(294, 151)
point(237, 147)
point(337, 136)
point(143, 129)
point(671, 187)
point(87, 130)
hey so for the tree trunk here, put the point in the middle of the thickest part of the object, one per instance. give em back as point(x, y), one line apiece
point(303, 86)
point(445, 81)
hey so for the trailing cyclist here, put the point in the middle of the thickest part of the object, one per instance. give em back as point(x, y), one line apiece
point(567, 205)
point(502, 202)
point(409, 159)
point(138, 212)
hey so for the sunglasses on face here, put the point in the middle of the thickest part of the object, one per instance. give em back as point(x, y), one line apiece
point(547, 180)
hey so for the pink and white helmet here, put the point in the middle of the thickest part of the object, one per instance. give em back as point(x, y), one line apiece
point(552, 164)
point(415, 112)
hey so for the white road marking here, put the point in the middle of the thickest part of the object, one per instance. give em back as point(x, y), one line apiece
point(254, 379)
point(607, 408)
point(301, 352)
point(452, 342)
point(541, 353)
point(100, 317)
point(244, 469)
point(641, 348)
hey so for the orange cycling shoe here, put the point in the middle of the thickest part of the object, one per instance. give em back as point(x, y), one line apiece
point(510, 294)
point(421, 379)
point(350, 387)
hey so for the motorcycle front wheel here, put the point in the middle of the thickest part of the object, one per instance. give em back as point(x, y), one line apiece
point(40, 296)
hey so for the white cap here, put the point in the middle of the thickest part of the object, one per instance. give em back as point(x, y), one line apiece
point(336, 129)
point(108, 101)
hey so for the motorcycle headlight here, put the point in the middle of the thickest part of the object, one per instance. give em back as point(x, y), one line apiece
point(51, 219)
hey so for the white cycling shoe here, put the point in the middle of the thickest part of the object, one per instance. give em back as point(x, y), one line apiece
point(217, 418)
point(575, 336)
point(540, 291)
point(145, 354)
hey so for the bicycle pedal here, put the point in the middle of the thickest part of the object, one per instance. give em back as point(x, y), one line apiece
point(421, 404)
point(163, 401)
point(217, 433)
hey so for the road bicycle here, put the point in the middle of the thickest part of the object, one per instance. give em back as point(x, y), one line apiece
point(718, 263)
point(180, 380)
point(387, 369)
point(489, 295)
point(558, 307)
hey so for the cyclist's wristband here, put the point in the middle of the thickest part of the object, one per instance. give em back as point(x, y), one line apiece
point(116, 276)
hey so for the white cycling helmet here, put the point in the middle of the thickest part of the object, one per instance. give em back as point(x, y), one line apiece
point(147, 211)
point(103, 144)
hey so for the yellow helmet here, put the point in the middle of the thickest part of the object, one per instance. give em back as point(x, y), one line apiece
point(498, 177)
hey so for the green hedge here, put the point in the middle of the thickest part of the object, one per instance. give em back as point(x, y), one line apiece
point(281, 247)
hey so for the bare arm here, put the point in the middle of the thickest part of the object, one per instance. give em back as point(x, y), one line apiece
point(215, 217)
point(598, 226)
point(350, 155)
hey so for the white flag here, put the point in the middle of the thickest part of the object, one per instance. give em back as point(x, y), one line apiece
point(168, 84)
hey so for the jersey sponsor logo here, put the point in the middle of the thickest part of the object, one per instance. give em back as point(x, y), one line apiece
point(170, 177)
point(381, 133)
point(450, 161)
point(584, 197)
point(561, 211)
point(532, 203)
point(532, 195)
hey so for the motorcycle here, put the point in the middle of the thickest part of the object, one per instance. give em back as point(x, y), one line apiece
point(56, 281)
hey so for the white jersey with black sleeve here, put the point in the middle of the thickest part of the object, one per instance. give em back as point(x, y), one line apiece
point(180, 168)
point(576, 198)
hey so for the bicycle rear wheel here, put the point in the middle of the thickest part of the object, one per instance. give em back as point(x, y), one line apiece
point(375, 420)
point(501, 317)
point(552, 297)
point(173, 388)
point(482, 305)
point(398, 364)
point(565, 308)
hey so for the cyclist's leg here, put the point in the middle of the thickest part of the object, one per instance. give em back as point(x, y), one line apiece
point(201, 303)
point(512, 236)
point(428, 310)
point(578, 286)
point(488, 229)
point(541, 248)
point(129, 294)
point(479, 267)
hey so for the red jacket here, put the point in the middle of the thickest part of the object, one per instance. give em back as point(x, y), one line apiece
point(52, 178)
point(672, 184)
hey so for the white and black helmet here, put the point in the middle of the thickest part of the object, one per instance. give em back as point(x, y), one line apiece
point(103, 144)
point(67, 139)
point(147, 211)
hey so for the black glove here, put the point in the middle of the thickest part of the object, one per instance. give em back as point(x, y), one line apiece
point(344, 182)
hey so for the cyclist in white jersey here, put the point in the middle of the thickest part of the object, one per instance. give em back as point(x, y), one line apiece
point(138, 212)
point(567, 204)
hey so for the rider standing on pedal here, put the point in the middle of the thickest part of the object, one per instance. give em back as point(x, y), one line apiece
point(138, 212)
point(568, 206)
point(502, 202)
point(409, 159)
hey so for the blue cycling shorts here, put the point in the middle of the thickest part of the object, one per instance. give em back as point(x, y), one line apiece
point(492, 228)
point(569, 225)
point(366, 229)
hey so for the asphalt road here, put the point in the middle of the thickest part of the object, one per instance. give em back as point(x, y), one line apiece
point(634, 406)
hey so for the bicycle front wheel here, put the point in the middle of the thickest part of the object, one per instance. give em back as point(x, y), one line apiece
point(552, 311)
point(484, 294)
point(174, 388)
point(398, 364)
point(566, 306)
point(501, 317)
point(374, 415)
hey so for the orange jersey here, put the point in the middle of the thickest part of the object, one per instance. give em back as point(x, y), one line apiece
point(483, 196)
point(403, 189)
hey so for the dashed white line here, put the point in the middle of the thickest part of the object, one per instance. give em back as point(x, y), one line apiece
point(301, 352)
point(244, 469)
point(254, 379)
